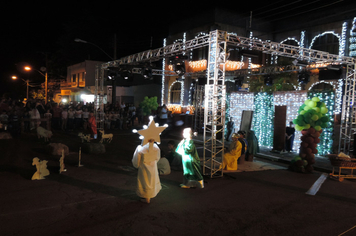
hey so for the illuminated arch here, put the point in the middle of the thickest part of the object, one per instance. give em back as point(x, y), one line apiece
point(291, 39)
point(325, 33)
point(181, 91)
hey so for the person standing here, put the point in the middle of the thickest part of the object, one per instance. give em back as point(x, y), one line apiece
point(290, 131)
point(78, 117)
point(192, 176)
point(85, 116)
point(92, 125)
point(71, 119)
point(145, 159)
point(163, 115)
point(56, 116)
point(64, 119)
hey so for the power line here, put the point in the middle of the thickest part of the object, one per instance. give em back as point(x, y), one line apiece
point(273, 9)
point(300, 13)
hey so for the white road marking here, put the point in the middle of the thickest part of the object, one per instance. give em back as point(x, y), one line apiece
point(316, 186)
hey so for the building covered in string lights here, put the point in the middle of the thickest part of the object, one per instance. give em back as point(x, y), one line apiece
point(255, 80)
point(325, 28)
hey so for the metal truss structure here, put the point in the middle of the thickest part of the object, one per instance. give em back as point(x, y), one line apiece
point(214, 117)
point(214, 108)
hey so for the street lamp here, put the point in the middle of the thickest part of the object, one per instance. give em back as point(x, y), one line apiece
point(27, 84)
point(83, 41)
point(28, 68)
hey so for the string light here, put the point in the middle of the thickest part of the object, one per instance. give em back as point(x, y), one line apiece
point(263, 119)
point(326, 138)
point(352, 40)
point(240, 101)
point(163, 76)
point(302, 40)
point(322, 34)
point(343, 40)
point(292, 100)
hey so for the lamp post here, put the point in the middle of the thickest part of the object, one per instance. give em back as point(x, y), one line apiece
point(83, 41)
point(27, 84)
point(28, 68)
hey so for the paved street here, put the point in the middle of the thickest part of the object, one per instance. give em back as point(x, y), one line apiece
point(99, 198)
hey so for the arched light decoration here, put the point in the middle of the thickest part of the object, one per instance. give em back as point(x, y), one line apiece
point(337, 85)
point(341, 41)
point(181, 91)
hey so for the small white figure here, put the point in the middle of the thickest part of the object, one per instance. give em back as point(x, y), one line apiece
point(104, 136)
point(84, 137)
point(41, 167)
point(43, 133)
point(61, 163)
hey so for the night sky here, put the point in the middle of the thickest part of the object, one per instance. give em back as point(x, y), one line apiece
point(32, 31)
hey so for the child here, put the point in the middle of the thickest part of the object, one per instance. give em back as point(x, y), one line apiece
point(145, 159)
point(92, 125)
point(192, 176)
point(174, 159)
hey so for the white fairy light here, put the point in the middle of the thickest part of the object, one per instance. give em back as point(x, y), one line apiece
point(163, 76)
point(343, 40)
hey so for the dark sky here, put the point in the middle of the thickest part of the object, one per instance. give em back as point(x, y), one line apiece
point(30, 31)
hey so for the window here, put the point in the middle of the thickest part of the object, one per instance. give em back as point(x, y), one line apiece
point(175, 93)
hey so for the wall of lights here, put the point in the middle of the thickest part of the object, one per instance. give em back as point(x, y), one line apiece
point(238, 103)
point(293, 100)
point(263, 116)
point(263, 106)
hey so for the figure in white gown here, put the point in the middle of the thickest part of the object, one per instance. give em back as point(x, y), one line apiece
point(145, 159)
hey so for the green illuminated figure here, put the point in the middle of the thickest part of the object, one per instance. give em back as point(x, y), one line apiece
point(192, 176)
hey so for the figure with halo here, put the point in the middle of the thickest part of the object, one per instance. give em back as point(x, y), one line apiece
point(192, 177)
point(145, 160)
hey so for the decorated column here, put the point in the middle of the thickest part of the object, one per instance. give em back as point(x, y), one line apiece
point(311, 120)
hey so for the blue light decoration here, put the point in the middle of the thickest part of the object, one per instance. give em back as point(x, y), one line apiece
point(263, 119)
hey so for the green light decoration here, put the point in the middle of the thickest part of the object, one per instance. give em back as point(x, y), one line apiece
point(312, 119)
point(263, 118)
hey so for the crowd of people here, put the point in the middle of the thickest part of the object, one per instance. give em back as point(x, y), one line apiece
point(67, 117)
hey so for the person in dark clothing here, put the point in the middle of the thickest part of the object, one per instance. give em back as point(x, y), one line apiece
point(290, 131)
point(15, 124)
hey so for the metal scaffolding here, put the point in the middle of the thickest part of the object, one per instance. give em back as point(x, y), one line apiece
point(214, 117)
point(214, 112)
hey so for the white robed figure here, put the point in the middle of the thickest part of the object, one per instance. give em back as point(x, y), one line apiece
point(145, 159)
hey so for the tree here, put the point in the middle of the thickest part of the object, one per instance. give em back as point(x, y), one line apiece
point(148, 104)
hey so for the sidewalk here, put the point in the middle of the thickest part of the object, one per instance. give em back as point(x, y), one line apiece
point(322, 163)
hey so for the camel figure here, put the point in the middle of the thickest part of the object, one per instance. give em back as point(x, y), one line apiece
point(41, 167)
point(104, 136)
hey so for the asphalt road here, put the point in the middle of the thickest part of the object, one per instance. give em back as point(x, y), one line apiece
point(99, 198)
